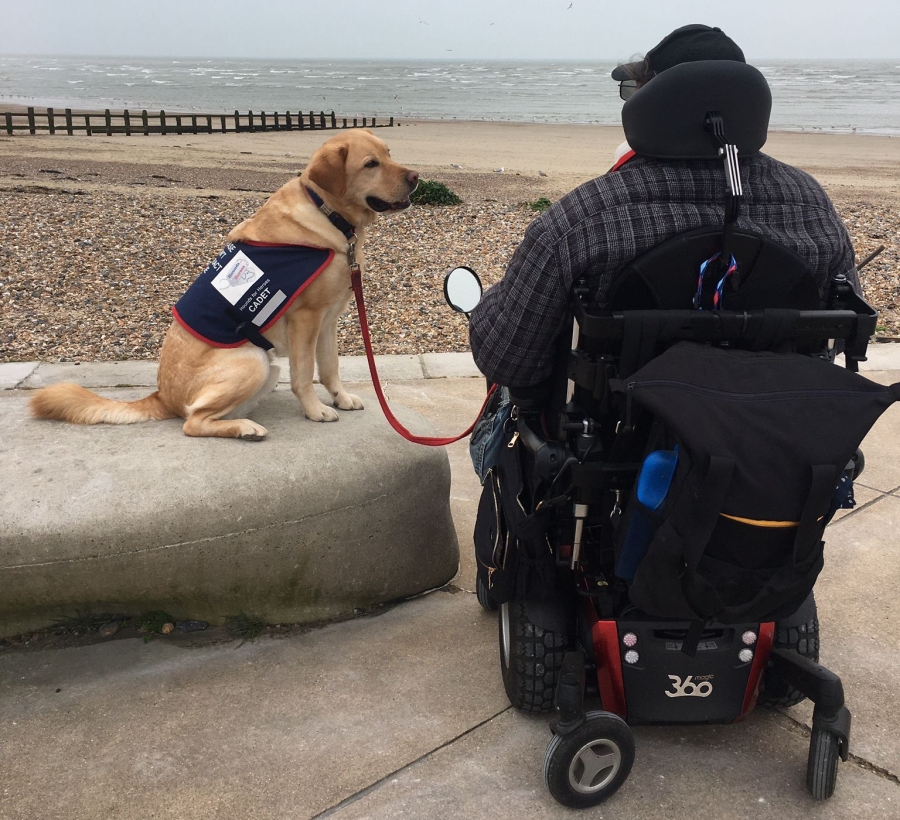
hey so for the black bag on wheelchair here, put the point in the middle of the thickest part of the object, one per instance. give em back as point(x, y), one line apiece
point(758, 442)
point(511, 545)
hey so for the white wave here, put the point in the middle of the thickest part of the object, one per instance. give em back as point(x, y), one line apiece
point(73, 82)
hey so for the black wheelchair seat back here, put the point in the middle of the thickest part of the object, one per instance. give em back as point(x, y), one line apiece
point(709, 110)
point(769, 275)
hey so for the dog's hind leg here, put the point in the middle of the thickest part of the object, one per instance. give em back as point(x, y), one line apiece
point(247, 406)
point(205, 415)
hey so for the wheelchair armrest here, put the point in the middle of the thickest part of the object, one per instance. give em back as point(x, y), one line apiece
point(533, 397)
point(549, 456)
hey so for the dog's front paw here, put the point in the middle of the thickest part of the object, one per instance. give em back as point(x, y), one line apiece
point(347, 401)
point(321, 413)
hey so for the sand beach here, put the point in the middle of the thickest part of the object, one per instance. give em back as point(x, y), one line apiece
point(100, 235)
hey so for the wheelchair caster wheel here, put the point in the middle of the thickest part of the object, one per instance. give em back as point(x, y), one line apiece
point(590, 763)
point(821, 768)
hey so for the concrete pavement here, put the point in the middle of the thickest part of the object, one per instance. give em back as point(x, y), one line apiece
point(404, 714)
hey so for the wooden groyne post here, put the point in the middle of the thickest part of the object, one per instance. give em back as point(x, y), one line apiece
point(33, 122)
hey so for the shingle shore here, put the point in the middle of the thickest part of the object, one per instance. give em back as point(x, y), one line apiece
point(93, 255)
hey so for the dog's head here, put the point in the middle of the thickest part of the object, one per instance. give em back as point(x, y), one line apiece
point(356, 169)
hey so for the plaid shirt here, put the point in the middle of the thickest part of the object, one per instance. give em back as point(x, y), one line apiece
point(596, 230)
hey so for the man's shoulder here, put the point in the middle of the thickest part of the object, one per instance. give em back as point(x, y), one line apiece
point(614, 189)
point(791, 179)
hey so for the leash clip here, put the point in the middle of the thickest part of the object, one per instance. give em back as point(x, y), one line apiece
point(351, 253)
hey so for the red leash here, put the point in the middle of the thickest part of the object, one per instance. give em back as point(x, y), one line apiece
point(428, 441)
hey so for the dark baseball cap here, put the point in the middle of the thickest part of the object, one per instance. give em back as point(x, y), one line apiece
point(685, 45)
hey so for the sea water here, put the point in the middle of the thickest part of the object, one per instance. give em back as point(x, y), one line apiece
point(826, 95)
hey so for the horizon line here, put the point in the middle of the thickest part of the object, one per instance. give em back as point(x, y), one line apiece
point(455, 58)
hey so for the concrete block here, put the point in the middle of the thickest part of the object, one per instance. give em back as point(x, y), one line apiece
point(315, 521)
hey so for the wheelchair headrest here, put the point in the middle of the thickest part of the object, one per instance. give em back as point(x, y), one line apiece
point(666, 118)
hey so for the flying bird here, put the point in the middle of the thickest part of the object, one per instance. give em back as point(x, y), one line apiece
point(454, 165)
point(423, 22)
point(541, 173)
point(499, 170)
point(570, 6)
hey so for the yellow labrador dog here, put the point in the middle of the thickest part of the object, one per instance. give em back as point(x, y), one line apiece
point(348, 182)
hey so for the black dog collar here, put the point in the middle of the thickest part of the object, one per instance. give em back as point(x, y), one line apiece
point(333, 216)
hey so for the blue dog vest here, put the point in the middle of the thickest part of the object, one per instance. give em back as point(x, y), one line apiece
point(246, 289)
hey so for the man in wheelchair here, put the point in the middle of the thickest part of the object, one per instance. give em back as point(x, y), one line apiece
point(679, 435)
point(674, 182)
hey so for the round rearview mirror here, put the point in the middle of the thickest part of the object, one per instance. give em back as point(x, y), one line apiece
point(462, 289)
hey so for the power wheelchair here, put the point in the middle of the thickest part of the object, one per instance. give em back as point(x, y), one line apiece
point(571, 628)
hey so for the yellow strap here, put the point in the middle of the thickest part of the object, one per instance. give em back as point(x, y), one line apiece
point(753, 522)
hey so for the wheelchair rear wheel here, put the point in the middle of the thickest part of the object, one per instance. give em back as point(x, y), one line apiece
point(530, 659)
point(484, 594)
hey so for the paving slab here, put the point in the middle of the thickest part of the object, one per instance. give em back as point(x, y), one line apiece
point(279, 728)
point(390, 368)
point(750, 770)
point(316, 521)
point(859, 609)
point(450, 366)
point(401, 715)
point(95, 374)
point(882, 445)
point(12, 374)
point(879, 356)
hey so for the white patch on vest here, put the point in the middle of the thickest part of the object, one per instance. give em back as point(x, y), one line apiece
point(236, 277)
point(274, 303)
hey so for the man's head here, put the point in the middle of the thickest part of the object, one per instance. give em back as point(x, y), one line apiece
point(684, 45)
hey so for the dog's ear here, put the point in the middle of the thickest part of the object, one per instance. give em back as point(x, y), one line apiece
point(328, 168)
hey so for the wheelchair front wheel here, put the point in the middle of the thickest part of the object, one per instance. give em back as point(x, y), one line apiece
point(821, 767)
point(589, 764)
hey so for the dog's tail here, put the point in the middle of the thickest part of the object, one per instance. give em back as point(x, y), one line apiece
point(70, 402)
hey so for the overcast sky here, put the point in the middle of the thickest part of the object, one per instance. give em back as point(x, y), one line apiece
point(450, 29)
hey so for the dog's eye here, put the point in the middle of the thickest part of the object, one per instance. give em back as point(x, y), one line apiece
point(372, 163)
